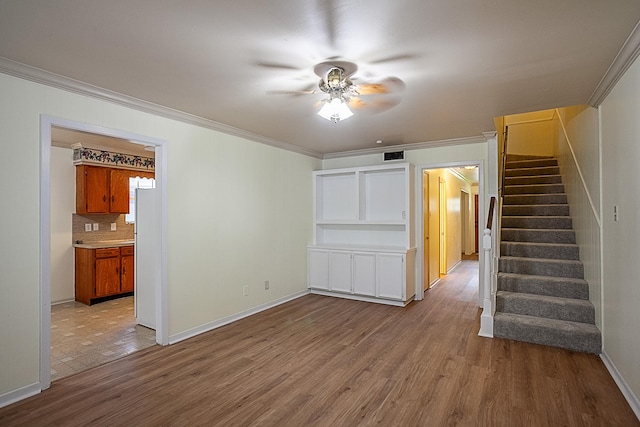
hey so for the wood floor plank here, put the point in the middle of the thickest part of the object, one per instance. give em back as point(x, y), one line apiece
point(322, 361)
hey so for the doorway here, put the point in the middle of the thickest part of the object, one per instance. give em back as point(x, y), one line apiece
point(440, 214)
point(46, 125)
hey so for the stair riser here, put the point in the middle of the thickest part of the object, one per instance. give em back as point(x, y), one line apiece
point(541, 268)
point(541, 285)
point(518, 157)
point(531, 163)
point(550, 170)
point(531, 180)
point(528, 250)
point(537, 222)
point(534, 189)
point(538, 236)
point(562, 338)
point(535, 210)
point(579, 312)
point(535, 199)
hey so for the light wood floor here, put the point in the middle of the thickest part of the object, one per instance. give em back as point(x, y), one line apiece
point(321, 361)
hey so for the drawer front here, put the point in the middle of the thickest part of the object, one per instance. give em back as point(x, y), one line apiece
point(126, 250)
point(107, 252)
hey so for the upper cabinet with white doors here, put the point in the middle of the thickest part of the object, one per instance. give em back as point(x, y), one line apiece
point(363, 244)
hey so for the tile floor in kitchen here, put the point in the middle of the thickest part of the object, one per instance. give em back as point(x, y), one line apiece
point(83, 337)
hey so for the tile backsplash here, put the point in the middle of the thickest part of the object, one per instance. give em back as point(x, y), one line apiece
point(123, 231)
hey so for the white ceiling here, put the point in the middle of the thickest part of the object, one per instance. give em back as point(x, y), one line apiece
point(463, 62)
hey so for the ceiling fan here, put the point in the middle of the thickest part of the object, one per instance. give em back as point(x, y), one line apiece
point(345, 93)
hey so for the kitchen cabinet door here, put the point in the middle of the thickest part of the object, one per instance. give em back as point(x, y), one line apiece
point(119, 190)
point(107, 276)
point(127, 269)
point(92, 192)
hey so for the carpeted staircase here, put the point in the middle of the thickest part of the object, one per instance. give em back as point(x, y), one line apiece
point(542, 297)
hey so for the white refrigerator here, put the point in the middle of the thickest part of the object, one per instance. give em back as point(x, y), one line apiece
point(147, 256)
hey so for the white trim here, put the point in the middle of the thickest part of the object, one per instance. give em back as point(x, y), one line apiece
point(47, 78)
point(19, 394)
point(628, 394)
point(623, 60)
point(46, 122)
point(190, 333)
point(406, 147)
point(395, 303)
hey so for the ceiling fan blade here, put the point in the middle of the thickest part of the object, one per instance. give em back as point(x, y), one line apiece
point(276, 66)
point(388, 85)
point(291, 92)
point(393, 58)
point(374, 106)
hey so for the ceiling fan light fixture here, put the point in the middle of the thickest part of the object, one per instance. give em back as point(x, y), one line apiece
point(335, 110)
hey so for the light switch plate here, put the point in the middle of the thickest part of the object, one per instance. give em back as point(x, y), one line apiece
point(87, 227)
point(113, 226)
point(96, 226)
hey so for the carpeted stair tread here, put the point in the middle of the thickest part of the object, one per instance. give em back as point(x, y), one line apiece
point(531, 163)
point(535, 210)
point(532, 179)
point(540, 250)
point(566, 287)
point(543, 170)
point(576, 336)
point(538, 235)
point(550, 307)
point(537, 222)
point(535, 199)
point(534, 189)
point(541, 267)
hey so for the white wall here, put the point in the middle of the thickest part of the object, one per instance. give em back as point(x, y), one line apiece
point(239, 213)
point(620, 148)
point(63, 205)
point(577, 147)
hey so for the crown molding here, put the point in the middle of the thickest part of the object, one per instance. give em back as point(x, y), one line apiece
point(47, 78)
point(406, 147)
point(623, 60)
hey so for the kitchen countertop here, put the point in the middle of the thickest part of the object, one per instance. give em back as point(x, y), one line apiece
point(102, 244)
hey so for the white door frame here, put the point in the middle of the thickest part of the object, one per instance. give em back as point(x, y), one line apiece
point(420, 169)
point(46, 122)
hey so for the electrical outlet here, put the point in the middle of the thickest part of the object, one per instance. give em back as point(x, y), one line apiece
point(113, 226)
point(87, 227)
point(96, 226)
point(245, 290)
point(266, 285)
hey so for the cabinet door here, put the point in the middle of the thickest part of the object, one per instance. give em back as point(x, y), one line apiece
point(364, 273)
point(96, 189)
point(107, 276)
point(340, 271)
point(119, 191)
point(390, 273)
point(318, 265)
point(126, 282)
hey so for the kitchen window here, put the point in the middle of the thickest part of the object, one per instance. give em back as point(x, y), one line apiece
point(134, 183)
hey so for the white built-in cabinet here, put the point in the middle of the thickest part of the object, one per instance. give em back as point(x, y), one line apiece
point(363, 241)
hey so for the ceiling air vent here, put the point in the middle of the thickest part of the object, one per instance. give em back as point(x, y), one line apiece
point(393, 156)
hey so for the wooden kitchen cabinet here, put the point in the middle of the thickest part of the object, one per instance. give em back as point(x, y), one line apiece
point(127, 271)
point(103, 272)
point(102, 190)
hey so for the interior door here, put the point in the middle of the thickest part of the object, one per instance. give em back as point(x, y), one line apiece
point(443, 226)
point(147, 256)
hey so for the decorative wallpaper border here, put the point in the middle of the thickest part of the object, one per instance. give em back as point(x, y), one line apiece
point(101, 157)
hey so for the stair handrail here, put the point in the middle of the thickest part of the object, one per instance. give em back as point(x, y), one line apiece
point(504, 161)
point(492, 207)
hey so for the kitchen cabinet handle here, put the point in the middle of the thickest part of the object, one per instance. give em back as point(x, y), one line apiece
point(104, 198)
point(113, 199)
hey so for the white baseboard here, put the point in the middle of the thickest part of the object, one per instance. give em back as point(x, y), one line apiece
point(19, 394)
point(633, 400)
point(190, 333)
point(395, 303)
